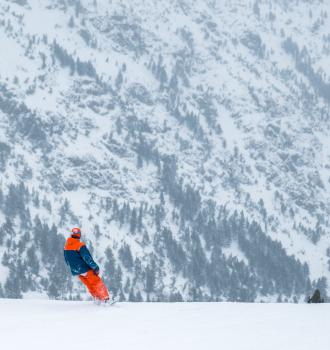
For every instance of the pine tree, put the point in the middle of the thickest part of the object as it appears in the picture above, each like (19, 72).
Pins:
(32, 260)
(140, 218)
(131, 296)
(138, 297)
(119, 80)
(97, 232)
(2, 198)
(133, 222)
(127, 285)
(256, 8)
(125, 255)
(150, 277)
(12, 287)
(2, 235)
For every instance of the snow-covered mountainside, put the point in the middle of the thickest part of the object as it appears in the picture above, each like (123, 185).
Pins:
(188, 139)
(53, 324)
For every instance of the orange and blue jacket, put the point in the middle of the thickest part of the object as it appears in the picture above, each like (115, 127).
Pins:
(78, 257)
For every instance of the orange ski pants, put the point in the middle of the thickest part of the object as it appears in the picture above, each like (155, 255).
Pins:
(95, 285)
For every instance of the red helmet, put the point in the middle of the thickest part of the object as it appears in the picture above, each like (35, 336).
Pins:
(76, 232)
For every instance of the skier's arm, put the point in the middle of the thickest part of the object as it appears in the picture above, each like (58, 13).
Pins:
(65, 258)
(86, 255)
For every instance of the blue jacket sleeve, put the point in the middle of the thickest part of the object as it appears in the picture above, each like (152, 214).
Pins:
(66, 260)
(86, 255)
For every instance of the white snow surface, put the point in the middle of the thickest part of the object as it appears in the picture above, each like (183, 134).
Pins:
(46, 324)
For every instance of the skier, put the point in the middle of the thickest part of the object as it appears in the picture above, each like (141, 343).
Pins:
(81, 263)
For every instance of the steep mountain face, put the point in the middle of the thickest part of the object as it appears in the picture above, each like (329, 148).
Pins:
(188, 139)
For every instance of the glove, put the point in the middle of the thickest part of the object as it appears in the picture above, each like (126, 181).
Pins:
(96, 271)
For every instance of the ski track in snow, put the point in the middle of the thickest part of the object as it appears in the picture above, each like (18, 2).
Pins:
(44, 324)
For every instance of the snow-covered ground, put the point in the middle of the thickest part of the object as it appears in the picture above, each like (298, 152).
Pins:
(44, 324)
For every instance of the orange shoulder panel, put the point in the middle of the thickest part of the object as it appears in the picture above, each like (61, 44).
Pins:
(73, 244)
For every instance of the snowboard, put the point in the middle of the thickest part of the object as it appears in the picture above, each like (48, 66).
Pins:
(110, 302)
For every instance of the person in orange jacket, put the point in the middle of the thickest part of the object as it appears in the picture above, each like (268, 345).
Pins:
(81, 264)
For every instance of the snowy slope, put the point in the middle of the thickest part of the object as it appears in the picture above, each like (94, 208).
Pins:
(148, 124)
(35, 325)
